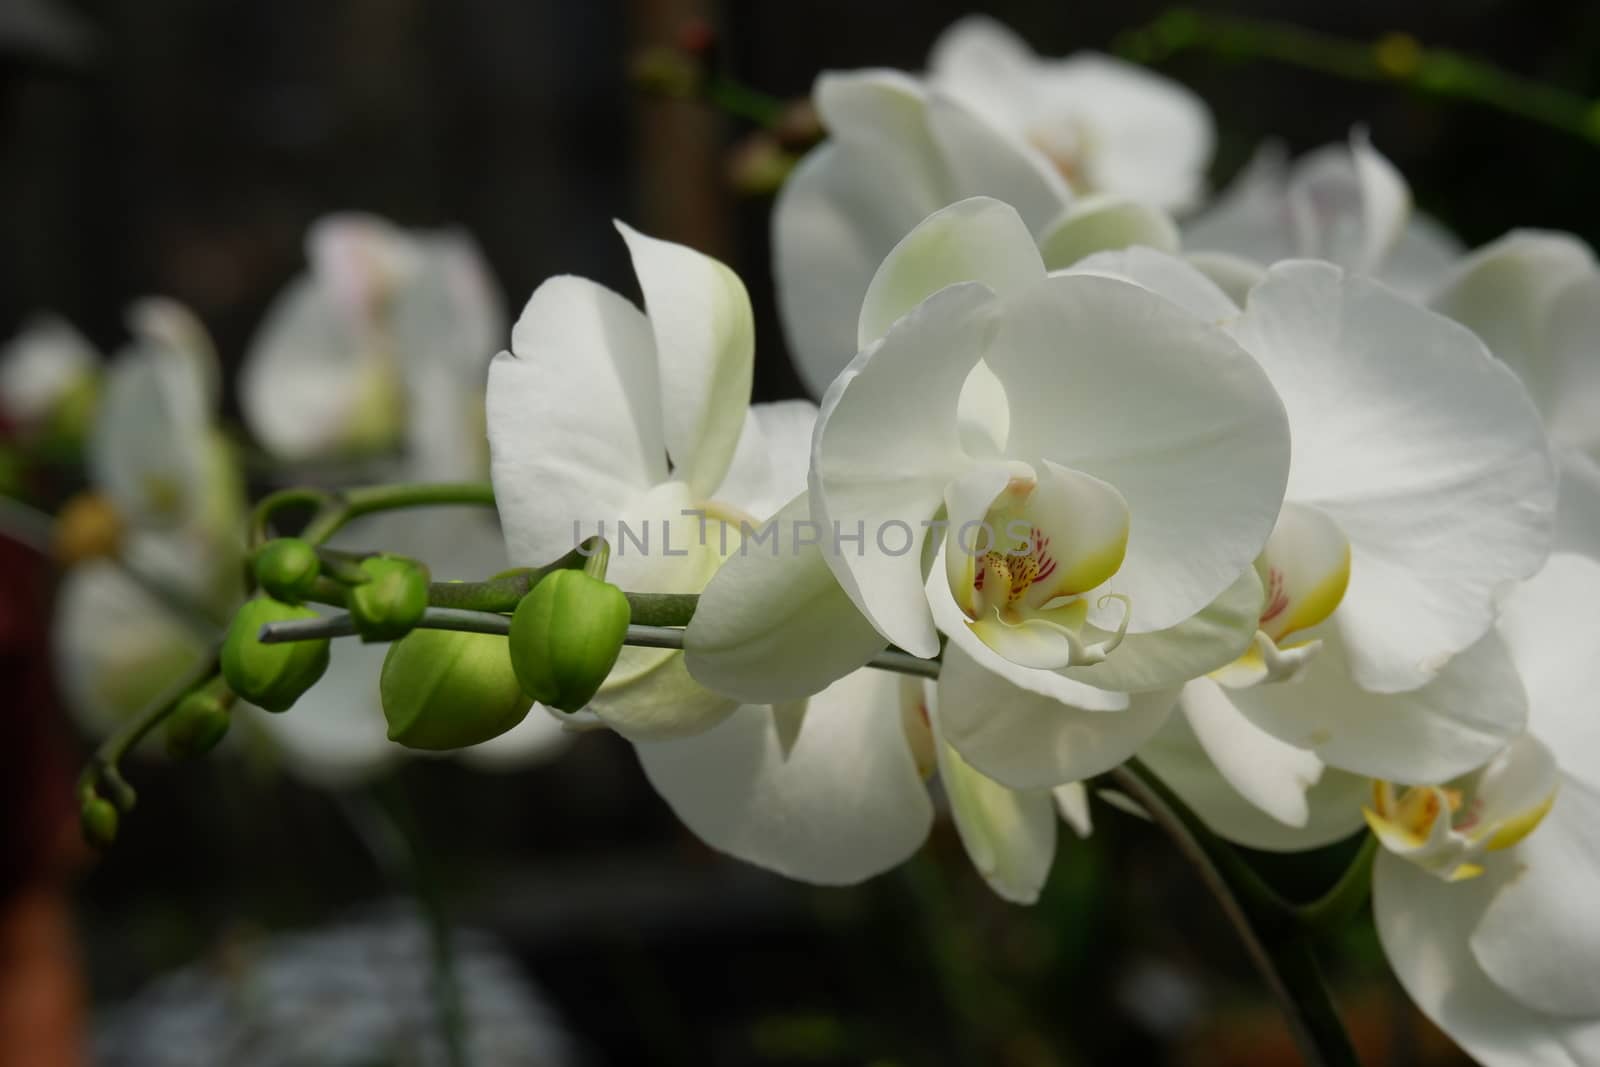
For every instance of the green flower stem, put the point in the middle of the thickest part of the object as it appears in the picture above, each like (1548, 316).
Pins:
(336, 507)
(103, 769)
(1395, 58)
(1270, 929)
(261, 529)
(1334, 909)
(342, 567)
(642, 631)
(741, 101)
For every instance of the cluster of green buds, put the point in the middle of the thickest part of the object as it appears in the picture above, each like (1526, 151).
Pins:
(271, 676)
(440, 689)
(566, 635)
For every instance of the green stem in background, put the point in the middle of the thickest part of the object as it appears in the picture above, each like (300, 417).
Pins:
(346, 505)
(1335, 908)
(104, 766)
(261, 516)
(741, 101)
(1395, 58)
(1270, 928)
(382, 817)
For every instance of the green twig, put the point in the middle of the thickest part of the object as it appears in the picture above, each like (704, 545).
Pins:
(1335, 908)
(346, 505)
(1395, 58)
(1266, 925)
(103, 768)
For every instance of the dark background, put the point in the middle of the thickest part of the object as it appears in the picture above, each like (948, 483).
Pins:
(182, 147)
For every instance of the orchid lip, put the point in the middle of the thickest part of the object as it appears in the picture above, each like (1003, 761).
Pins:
(1449, 829)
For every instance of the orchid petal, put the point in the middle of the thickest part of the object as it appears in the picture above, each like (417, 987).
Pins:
(1434, 466)
(705, 351)
(840, 804)
(885, 447)
(973, 240)
(1448, 726)
(574, 417)
(1030, 741)
(1109, 379)
(773, 624)
(1105, 223)
(1010, 835)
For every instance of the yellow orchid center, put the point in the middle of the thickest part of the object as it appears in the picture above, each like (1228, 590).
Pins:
(1448, 829)
(1020, 572)
(1304, 571)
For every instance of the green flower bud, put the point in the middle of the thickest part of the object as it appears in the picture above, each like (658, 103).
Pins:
(286, 568)
(566, 635)
(392, 599)
(99, 818)
(270, 676)
(445, 689)
(200, 722)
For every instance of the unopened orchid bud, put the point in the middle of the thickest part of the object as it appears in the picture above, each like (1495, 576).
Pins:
(445, 689)
(566, 635)
(286, 568)
(271, 676)
(390, 603)
(99, 818)
(200, 721)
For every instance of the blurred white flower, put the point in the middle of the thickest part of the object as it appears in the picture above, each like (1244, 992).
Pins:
(1534, 298)
(127, 630)
(384, 345)
(1106, 125)
(990, 119)
(1346, 204)
(43, 370)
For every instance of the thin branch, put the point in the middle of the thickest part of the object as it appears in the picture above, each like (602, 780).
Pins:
(486, 622)
(1285, 961)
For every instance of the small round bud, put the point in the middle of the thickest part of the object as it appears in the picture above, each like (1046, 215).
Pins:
(199, 723)
(270, 676)
(444, 689)
(88, 527)
(100, 819)
(286, 568)
(566, 635)
(390, 603)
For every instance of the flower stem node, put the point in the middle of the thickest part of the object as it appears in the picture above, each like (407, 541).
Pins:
(99, 818)
(271, 676)
(200, 722)
(566, 635)
(286, 569)
(390, 603)
(445, 689)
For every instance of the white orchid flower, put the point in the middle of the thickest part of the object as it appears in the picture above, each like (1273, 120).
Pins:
(606, 420)
(1063, 433)
(1483, 892)
(1346, 204)
(1106, 125)
(1534, 298)
(1418, 488)
(125, 631)
(584, 413)
(833, 789)
(989, 120)
(43, 369)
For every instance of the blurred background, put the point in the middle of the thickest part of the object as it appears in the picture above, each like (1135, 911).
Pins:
(560, 914)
